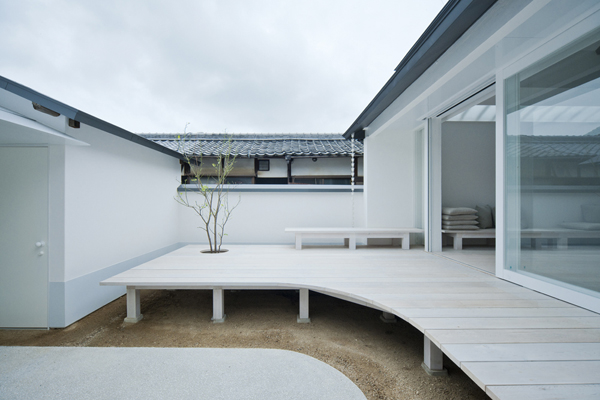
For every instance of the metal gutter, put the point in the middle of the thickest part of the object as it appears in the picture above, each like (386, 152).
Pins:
(449, 25)
(82, 117)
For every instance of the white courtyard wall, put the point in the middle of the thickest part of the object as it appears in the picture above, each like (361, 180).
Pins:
(265, 212)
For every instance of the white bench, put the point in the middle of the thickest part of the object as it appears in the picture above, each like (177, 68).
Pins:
(458, 236)
(351, 234)
(561, 235)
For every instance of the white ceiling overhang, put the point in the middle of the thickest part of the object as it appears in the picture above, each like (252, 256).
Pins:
(18, 130)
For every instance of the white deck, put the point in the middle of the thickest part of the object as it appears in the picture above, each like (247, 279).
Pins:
(513, 342)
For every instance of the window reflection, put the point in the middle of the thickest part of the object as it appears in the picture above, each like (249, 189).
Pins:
(553, 168)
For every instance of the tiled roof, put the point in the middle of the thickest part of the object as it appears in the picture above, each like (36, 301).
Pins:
(255, 145)
(586, 147)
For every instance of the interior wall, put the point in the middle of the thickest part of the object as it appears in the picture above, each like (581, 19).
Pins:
(468, 164)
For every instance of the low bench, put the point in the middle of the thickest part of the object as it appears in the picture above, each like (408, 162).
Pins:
(458, 236)
(561, 236)
(351, 234)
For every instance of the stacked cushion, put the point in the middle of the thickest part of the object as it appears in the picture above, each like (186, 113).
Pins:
(486, 219)
(459, 218)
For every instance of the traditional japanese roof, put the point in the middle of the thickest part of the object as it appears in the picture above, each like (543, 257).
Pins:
(581, 147)
(259, 145)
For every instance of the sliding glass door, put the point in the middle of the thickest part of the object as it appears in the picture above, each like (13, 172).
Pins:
(552, 168)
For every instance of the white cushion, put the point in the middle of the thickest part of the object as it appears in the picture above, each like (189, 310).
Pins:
(463, 217)
(458, 210)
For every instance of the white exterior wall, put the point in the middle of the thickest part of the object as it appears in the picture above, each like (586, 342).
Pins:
(111, 208)
(262, 216)
(390, 180)
(277, 169)
(511, 35)
(105, 221)
(334, 166)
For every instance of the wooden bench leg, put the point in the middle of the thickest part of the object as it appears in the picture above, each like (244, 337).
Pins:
(352, 243)
(458, 242)
(303, 316)
(218, 306)
(405, 242)
(434, 359)
(133, 305)
(298, 241)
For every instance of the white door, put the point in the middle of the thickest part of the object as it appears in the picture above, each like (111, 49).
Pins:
(23, 237)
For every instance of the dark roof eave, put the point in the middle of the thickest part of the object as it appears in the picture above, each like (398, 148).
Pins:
(449, 25)
(73, 113)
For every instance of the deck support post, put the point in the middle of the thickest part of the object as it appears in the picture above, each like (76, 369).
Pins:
(303, 316)
(218, 306)
(133, 305)
(387, 317)
(434, 359)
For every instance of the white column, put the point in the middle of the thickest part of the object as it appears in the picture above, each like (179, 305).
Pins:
(133, 305)
(298, 241)
(218, 306)
(303, 316)
(434, 359)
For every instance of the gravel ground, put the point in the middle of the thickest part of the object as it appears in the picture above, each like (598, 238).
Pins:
(384, 360)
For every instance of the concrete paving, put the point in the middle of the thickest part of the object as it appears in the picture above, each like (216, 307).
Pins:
(168, 373)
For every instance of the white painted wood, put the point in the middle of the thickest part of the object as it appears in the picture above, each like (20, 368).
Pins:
(499, 312)
(445, 336)
(508, 323)
(544, 392)
(350, 235)
(425, 290)
(352, 243)
(218, 305)
(533, 372)
(435, 183)
(524, 351)
(24, 222)
(134, 312)
(303, 316)
(433, 358)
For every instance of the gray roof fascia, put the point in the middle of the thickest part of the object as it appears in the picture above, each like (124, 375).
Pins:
(449, 25)
(74, 114)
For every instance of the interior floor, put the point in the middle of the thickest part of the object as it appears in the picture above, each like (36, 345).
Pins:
(480, 257)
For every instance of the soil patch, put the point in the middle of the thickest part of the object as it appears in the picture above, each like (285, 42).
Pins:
(383, 360)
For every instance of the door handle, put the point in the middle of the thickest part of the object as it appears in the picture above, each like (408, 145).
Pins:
(40, 244)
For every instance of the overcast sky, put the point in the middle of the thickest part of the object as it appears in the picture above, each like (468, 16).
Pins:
(244, 66)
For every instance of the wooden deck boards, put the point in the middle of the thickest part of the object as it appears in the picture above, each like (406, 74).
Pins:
(513, 342)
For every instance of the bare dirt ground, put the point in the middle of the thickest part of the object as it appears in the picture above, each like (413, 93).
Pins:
(383, 360)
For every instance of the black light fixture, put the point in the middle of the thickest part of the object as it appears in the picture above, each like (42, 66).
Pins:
(44, 110)
(314, 159)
